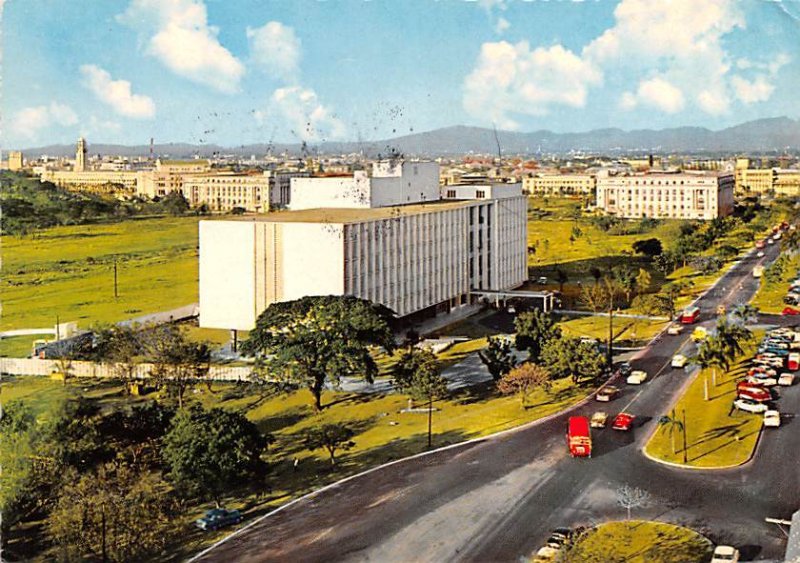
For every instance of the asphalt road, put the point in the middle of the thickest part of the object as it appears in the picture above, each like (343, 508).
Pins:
(497, 499)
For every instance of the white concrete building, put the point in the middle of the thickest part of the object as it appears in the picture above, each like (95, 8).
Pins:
(686, 195)
(419, 259)
(224, 191)
(560, 184)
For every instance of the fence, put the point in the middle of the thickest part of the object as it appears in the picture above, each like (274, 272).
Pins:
(79, 368)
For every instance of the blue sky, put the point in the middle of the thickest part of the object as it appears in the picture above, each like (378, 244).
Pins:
(241, 71)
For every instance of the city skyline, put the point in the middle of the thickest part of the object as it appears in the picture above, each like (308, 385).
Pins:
(211, 73)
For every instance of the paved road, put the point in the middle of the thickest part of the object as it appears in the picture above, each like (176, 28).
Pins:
(496, 499)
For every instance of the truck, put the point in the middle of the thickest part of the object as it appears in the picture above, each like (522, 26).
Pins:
(758, 271)
(579, 437)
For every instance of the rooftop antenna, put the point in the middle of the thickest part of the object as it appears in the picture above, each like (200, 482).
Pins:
(499, 152)
(151, 148)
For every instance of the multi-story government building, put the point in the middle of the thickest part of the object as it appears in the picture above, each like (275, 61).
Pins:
(390, 238)
(560, 184)
(674, 195)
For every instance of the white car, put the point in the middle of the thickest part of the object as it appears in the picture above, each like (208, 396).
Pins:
(546, 553)
(758, 379)
(748, 405)
(675, 329)
(770, 241)
(725, 554)
(679, 360)
(637, 377)
(760, 254)
(786, 379)
(772, 418)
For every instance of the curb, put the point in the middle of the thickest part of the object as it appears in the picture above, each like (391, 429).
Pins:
(398, 461)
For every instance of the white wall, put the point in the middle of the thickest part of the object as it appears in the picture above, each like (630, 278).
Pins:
(312, 193)
(313, 260)
(227, 274)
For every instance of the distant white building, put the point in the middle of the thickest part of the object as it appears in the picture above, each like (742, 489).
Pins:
(675, 195)
(419, 259)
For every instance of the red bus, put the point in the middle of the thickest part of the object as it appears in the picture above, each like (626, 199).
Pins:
(690, 315)
(579, 437)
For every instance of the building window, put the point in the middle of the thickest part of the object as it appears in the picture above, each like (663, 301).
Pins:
(480, 194)
(451, 194)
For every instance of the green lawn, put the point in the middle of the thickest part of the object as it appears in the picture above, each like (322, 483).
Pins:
(769, 298)
(637, 541)
(68, 272)
(626, 330)
(717, 435)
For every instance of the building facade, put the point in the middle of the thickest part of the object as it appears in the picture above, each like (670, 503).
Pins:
(560, 184)
(14, 160)
(121, 184)
(226, 191)
(667, 195)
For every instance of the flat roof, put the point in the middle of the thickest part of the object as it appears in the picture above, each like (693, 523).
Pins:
(353, 215)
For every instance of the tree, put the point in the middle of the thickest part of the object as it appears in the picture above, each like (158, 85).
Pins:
(174, 203)
(653, 304)
(666, 262)
(650, 247)
(121, 345)
(419, 374)
(561, 278)
(534, 329)
(710, 355)
(330, 437)
(177, 362)
(315, 340)
(672, 425)
(743, 314)
(643, 281)
(731, 336)
(625, 278)
(115, 514)
(594, 297)
(572, 357)
(209, 452)
(672, 291)
(632, 497)
(727, 252)
(596, 273)
(523, 380)
(497, 357)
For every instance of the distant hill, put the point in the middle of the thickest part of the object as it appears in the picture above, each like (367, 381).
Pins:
(762, 135)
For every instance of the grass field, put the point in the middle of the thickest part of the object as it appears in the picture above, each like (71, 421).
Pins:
(716, 435)
(383, 432)
(769, 298)
(637, 541)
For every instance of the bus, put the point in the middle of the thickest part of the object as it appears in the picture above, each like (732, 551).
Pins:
(690, 315)
(579, 437)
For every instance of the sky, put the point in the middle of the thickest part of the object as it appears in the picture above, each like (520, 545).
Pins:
(235, 72)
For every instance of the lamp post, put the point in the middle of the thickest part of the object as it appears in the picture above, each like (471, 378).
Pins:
(684, 437)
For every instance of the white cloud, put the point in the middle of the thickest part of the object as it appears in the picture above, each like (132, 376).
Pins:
(751, 91)
(275, 48)
(28, 122)
(491, 7)
(510, 79)
(502, 25)
(657, 93)
(300, 109)
(117, 93)
(179, 36)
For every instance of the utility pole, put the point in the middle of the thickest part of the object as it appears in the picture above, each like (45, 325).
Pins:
(58, 329)
(609, 349)
(116, 293)
(430, 416)
(685, 458)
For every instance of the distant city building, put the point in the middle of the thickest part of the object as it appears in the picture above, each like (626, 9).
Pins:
(667, 195)
(420, 258)
(169, 175)
(80, 156)
(120, 184)
(560, 184)
(14, 161)
(227, 190)
(755, 180)
(787, 182)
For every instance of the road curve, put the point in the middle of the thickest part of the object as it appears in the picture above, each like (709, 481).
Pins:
(496, 499)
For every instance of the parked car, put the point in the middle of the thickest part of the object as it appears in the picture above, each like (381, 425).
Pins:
(637, 377)
(787, 311)
(598, 419)
(753, 393)
(625, 369)
(623, 421)
(679, 360)
(218, 518)
(762, 370)
(760, 254)
(725, 554)
(750, 406)
(542, 280)
(772, 418)
(675, 329)
(786, 379)
(768, 360)
(766, 380)
(607, 393)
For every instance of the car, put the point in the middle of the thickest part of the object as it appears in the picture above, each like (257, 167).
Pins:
(772, 418)
(546, 553)
(725, 554)
(679, 360)
(218, 518)
(637, 377)
(511, 309)
(786, 379)
(623, 421)
(598, 419)
(753, 392)
(770, 241)
(542, 280)
(625, 369)
(762, 370)
(607, 393)
(764, 360)
(760, 254)
(787, 311)
(675, 329)
(764, 380)
(750, 406)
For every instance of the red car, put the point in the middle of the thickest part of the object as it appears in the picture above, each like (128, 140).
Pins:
(758, 394)
(623, 421)
(790, 311)
(762, 370)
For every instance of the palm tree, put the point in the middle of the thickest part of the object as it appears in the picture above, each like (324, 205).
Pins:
(712, 355)
(671, 424)
(744, 314)
(731, 337)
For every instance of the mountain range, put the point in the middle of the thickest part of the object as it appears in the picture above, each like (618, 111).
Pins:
(768, 135)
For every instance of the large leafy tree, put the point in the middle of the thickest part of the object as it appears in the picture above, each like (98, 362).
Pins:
(178, 363)
(534, 329)
(523, 380)
(122, 346)
(209, 452)
(574, 358)
(330, 437)
(321, 339)
(419, 374)
(497, 357)
(649, 247)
